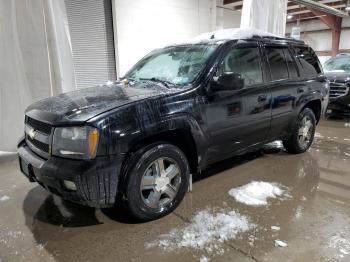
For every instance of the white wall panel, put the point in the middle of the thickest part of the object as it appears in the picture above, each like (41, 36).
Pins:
(143, 25)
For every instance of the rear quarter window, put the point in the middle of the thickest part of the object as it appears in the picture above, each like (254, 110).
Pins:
(308, 60)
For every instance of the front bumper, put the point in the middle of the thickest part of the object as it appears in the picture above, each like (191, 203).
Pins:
(96, 180)
(340, 107)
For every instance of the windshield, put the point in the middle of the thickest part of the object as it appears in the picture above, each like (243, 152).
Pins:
(338, 64)
(175, 65)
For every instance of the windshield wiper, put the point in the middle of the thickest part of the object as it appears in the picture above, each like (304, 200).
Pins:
(164, 82)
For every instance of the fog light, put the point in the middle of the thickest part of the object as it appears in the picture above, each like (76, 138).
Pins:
(70, 185)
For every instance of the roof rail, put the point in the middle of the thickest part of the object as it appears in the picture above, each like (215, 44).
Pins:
(280, 38)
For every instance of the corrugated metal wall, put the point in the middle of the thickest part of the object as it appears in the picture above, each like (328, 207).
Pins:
(91, 29)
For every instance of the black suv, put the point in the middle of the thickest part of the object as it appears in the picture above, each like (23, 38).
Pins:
(337, 70)
(176, 111)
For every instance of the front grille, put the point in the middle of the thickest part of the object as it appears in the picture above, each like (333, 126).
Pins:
(338, 90)
(40, 145)
(39, 126)
(38, 136)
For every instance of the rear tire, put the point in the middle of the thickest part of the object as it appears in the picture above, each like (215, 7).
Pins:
(157, 181)
(303, 133)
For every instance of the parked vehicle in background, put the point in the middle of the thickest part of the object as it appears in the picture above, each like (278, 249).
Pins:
(176, 111)
(337, 70)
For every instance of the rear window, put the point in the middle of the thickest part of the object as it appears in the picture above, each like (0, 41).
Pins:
(308, 60)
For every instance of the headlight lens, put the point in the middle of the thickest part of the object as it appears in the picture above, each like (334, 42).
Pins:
(75, 142)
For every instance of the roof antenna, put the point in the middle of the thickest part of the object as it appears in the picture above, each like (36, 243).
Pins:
(212, 36)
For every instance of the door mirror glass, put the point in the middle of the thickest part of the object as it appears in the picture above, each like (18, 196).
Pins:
(228, 81)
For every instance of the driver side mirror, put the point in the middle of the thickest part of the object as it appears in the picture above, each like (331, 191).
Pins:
(227, 81)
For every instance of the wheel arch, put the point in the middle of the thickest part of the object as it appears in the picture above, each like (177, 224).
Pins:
(186, 144)
(316, 107)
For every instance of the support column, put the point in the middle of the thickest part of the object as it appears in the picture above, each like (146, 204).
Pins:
(334, 23)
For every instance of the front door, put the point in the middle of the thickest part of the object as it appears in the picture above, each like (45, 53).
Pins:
(238, 118)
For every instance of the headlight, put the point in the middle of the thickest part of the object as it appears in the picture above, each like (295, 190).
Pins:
(75, 142)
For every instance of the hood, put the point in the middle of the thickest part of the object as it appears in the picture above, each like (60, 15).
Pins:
(338, 77)
(79, 106)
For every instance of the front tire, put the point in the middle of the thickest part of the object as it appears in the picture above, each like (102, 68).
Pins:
(157, 181)
(303, 133)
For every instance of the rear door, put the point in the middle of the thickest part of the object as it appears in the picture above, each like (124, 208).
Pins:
(285, 87)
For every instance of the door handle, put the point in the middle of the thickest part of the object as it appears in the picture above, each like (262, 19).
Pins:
(262, 98)
(300, 90)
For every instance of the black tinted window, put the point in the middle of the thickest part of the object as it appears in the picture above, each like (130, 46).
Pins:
(292, 68)
(278, 65)
(245, 62)
(308, 60)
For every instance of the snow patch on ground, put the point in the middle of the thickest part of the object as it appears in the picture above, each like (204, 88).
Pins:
(280, 243)
(256, 193)
(341, 244)
(4, 198)
(204, 259)
(8, 237)
(208, 230)
(275, 228)
(278, 144)
(318, 135)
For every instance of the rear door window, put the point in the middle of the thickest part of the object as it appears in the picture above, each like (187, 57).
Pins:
(308, 60)
(292, 67)
(278, 63)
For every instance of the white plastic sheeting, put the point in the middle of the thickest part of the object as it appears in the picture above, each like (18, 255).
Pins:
(266, 15)
(36, 60)
(59, 46)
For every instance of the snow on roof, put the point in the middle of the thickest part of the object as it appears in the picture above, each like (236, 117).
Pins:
(233, 34)
(225, 34)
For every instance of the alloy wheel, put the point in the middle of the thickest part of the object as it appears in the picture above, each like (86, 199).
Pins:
(306, 129)
(160, 182)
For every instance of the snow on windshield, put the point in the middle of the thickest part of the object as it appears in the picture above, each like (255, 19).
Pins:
(177, 65)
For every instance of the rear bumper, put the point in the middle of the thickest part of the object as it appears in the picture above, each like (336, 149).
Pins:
(96, 180)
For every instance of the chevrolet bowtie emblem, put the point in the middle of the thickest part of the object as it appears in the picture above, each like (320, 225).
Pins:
(32, 133)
